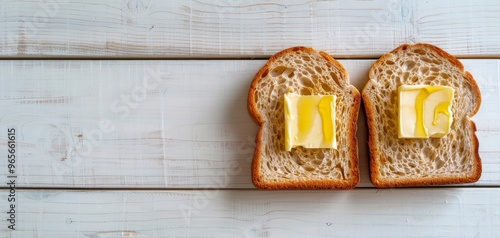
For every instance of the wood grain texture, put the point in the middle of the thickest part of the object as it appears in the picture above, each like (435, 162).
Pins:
(173, 124)
(243, 29)
(163, 124)
(451, 212)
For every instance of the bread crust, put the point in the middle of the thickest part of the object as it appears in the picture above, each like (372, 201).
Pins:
(257, 117)
(374, 152)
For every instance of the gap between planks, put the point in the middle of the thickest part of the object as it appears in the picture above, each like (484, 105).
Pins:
(208, 58)
(456, 186)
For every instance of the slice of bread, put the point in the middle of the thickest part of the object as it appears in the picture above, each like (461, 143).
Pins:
(303, 71)
(395, 162)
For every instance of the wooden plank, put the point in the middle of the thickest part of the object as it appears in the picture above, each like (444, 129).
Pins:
(439, 212)
(237, 28)
(162, 124)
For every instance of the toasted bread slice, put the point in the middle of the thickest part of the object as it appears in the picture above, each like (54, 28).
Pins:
(303, 71)
(396, 162)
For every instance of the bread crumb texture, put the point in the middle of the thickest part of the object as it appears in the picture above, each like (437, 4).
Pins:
(409, 162)
(305, 72)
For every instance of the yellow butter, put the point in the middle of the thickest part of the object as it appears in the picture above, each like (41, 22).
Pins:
(424, 111)
(310, 121)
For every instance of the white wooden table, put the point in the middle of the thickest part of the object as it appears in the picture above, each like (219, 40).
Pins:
(131, 118)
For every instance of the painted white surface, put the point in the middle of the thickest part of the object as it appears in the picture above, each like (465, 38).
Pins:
(163, 124)
(192, 130)
(439, 212)
(237, 28)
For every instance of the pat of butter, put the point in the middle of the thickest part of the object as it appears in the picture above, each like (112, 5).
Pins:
(424, 111)
(310, 121)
